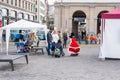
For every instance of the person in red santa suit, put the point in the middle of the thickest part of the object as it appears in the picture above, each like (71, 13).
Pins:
(74, 47)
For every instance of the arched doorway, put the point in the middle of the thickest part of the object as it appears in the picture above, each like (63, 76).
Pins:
(78, 22)
(99, 21)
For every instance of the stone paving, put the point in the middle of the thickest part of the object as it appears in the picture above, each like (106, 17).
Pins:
(86, 66)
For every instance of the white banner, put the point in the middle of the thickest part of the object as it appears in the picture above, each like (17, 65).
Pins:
(111, 39)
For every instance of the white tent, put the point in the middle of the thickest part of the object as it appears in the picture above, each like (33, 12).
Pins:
(110, 47)
(21, 25)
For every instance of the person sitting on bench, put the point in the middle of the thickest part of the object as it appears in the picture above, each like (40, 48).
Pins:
(28, 43)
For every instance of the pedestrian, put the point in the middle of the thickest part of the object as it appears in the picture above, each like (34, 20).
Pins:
(17, 44)
(49, 41)
(29, 42)
(83, 35)
(65, 37)
(74, 47)
(54, 40)
(79, 37)
(59, 34)
(37, 40)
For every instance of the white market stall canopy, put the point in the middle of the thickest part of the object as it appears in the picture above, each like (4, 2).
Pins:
(110, 47)
(25, 25)
(21, 25)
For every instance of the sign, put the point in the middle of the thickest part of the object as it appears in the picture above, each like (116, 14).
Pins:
(79, 19)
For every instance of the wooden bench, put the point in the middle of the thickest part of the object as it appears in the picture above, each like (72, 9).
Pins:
(35, 49)
(11, 58)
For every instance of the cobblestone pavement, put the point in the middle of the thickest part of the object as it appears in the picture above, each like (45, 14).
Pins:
(86, 66)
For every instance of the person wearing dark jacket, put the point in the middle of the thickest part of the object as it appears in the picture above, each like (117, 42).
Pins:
(49, 41)
(65, 37)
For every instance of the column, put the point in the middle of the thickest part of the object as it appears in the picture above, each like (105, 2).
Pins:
(92, 14)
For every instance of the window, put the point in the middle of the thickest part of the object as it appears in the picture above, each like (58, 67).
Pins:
(23, 4)
(12, 2)
(28, 6)
(35, 17)
(19, 3)
(36, 10)
(22, 15)
(42, 4)
(4, 12)
(13, 13)
(31, 17)
(28, 17)
(15, 2)
(35, 2)
(41, 18)
(31, 7)
(42, 11)
(7, 1)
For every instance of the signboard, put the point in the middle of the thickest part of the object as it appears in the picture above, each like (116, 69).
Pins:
(79, 19)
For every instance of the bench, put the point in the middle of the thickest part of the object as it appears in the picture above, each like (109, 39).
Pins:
(35, 49)
(11, 58)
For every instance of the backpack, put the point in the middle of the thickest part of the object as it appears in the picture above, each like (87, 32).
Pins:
(57, 52)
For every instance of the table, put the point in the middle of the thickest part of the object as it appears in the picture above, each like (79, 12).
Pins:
(11, 58)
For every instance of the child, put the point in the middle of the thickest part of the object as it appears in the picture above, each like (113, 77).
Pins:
(74, 48)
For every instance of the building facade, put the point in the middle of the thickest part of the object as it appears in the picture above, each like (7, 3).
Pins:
(82, 15)
(13, 10)
(41, 10)
(51, 16)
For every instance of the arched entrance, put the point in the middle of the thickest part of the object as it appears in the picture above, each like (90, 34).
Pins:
(78, 22)
(99, 21)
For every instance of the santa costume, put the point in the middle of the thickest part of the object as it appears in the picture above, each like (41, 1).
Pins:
(74, 47)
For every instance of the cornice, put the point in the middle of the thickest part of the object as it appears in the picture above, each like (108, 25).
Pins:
(87, 4)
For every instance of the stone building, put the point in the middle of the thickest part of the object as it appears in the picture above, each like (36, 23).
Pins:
(82, 15)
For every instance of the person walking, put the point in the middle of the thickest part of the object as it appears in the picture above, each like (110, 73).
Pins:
(65, 37)
(59, 34)
(49, 41)
(79, 38)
